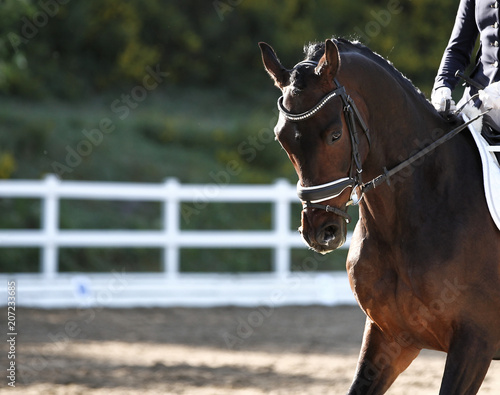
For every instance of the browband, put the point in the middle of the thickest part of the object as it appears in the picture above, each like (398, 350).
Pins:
(308, 114)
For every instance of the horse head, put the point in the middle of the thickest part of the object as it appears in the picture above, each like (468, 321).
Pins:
(315, 128)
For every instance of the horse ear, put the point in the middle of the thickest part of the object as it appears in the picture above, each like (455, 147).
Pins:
(273, 66)
(329, 64)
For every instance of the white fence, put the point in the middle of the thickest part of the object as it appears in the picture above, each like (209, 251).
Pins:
(50, 288)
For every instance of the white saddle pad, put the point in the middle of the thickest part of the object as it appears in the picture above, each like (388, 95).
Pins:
(491, 171)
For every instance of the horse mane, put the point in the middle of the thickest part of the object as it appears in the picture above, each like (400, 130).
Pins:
(314, 51)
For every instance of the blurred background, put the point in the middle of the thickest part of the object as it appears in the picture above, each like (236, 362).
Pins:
(176, 89)
(143, 91)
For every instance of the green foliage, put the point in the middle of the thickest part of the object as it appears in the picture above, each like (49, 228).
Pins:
(64, 68)
(19, 214)
(20, 260)
(13, 64)
(96, 260)
(74, 49)
(225, 260)
(7, 164)
(166, 136)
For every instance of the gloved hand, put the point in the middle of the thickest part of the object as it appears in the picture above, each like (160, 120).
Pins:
(442, 101)
(490, 96)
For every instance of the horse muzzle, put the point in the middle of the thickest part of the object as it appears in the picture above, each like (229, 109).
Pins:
(323, 233)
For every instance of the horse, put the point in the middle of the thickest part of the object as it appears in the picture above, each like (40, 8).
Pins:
(424, 258)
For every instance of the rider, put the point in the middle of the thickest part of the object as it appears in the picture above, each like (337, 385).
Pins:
(474, 18)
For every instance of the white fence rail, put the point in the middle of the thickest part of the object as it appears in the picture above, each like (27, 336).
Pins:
(50, 288)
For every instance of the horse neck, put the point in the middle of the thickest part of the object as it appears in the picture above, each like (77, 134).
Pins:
(401, 126)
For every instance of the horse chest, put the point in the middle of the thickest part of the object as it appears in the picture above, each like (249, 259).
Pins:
(376, 291)
(373, 283)
(388, 300)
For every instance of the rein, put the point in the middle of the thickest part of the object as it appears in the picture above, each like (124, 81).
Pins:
(312, 196)
(431, 147)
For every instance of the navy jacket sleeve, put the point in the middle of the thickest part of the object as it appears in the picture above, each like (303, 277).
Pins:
(457, 55)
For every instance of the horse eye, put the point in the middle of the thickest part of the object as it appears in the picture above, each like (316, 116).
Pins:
(334, 136)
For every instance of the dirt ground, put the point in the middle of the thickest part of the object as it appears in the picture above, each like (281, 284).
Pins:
(287, 350)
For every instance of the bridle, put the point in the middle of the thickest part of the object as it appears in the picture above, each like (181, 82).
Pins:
(312, 196)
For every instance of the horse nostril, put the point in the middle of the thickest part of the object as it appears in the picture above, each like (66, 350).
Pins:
(328, 234)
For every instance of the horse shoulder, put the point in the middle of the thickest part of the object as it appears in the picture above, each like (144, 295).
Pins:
(373, 283)
(391, 299)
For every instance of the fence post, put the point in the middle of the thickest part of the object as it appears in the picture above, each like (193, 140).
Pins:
(50, 226)
(281, 225)
(171, 223)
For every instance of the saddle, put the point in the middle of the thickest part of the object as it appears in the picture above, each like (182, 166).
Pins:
(492, 137)
(490, 159)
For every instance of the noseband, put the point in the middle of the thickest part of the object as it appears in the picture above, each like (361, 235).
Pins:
(311, 197)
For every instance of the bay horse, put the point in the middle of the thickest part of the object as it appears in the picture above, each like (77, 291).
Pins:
(424, 260)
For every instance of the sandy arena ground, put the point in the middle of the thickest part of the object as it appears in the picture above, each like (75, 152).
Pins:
(289, 350)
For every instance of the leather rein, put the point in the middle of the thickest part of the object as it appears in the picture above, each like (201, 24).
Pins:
(312, 196)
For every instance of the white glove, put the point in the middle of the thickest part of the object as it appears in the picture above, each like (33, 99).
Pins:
(440, 97)
(490, 96)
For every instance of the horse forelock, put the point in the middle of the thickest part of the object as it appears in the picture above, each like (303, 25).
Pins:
(300, 73)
